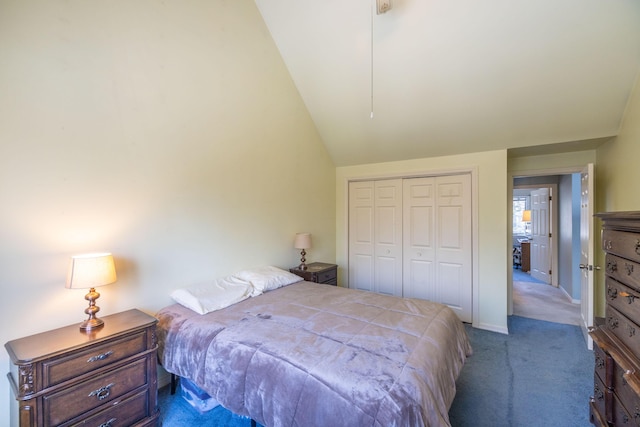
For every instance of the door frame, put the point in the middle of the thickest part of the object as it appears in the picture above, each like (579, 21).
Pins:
(529, 173)
(473, 171)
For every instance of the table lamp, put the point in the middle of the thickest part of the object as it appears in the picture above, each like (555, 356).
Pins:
(302, 241)
(88, 272)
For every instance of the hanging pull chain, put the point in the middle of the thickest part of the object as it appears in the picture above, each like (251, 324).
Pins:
(373, 5)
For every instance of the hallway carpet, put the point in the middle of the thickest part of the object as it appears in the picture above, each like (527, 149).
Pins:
(541, 374)
(537, 300)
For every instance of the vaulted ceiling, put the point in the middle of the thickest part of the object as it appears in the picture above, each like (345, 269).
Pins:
(456, 76)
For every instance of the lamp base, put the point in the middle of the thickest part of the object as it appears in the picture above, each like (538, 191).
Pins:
(302, 265)
(92, 322)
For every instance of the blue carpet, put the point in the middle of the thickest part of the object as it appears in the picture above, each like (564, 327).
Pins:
(541, 374)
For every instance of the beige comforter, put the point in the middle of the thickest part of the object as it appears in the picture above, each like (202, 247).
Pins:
(318, 355)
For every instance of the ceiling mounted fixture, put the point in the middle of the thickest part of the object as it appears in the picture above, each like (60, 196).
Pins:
(383, 6)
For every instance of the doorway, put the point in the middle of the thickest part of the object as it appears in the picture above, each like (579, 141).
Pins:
(561, 301)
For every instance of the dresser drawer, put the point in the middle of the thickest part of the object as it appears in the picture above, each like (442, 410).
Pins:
(625, 394)
(624, 329)
(623, 298)
(601, 397)
(621, 416)
(62, 406)
(120, 414)
(623, 270)
(76, 364)
(603, 364)
(622, 243)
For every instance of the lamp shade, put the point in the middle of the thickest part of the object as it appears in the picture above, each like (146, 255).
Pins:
(91, 271)
(526, 216)
(302, 241)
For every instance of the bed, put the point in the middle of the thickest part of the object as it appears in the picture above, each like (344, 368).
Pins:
(308, 354)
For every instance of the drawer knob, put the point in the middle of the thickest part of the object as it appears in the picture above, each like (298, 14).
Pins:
(100, 356)
(103, 392)
(108, 423)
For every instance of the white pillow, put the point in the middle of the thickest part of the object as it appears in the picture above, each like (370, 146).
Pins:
(213, 296)
(267, 278)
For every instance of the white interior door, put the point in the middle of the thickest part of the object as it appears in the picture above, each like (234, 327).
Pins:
(540, 239)
(586, 251)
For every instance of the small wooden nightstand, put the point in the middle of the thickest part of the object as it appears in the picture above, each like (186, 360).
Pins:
(104, 377)
(318, 272)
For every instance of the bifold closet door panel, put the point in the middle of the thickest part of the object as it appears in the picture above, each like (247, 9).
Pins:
(419, 238)
(453, 244)
(388, 237)
(361, 227)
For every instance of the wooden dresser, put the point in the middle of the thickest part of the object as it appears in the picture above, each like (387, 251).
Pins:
(616, 391)
(105, 378)
(318, 272)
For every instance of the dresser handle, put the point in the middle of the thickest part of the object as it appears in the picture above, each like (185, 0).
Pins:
(612, 267)
(630, 298)
(613, 322)
(108, 423)
(100, 356)
(629, 268)
(638, 247)
(597, 393)
(612, 293)
(599, 362)
(631, 331)
(607, 245)
(102, 393)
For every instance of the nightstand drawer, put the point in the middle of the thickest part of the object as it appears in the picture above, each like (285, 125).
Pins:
(327, 276)
(71, 402)
(62, 369)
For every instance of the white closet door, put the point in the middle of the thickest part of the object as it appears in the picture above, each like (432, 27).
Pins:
(453, 244)
(419, 238)
(388, 237)
(412, 237)
(361, 235)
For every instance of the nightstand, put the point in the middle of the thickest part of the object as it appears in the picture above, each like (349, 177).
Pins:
(104, 377)
(318, 272)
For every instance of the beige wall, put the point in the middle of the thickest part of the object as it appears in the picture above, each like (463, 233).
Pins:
(617, 177)
(169, 133)
(490, 169)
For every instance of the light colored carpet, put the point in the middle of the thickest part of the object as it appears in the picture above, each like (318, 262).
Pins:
(544, 302)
